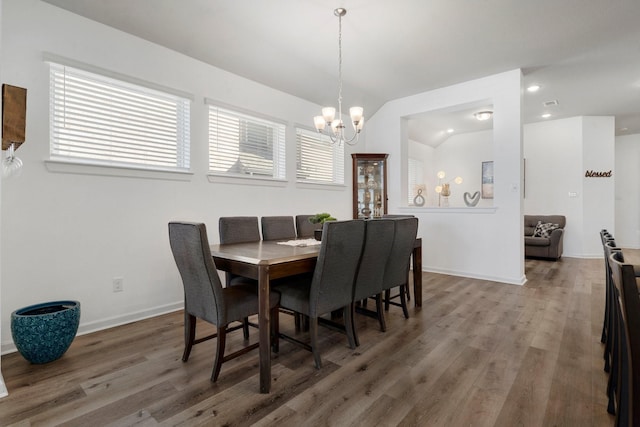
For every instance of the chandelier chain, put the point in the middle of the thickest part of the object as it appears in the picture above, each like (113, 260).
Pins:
(340, 67)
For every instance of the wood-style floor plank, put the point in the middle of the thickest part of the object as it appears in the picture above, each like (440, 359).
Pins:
(478, 353)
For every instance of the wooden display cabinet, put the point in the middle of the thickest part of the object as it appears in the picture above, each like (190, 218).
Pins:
(369, 185)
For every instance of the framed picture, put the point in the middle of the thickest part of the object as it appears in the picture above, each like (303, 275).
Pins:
(487, 180)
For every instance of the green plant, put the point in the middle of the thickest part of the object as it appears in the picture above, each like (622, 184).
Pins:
(321, 218)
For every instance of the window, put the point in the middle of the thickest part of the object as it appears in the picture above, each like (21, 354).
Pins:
(415, 180)
(243, 145)
(317, 159)
(100, 120)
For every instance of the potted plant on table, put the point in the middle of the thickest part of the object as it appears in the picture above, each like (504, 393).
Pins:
(320, 219)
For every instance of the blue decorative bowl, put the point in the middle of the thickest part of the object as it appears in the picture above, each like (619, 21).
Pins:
(43, 332)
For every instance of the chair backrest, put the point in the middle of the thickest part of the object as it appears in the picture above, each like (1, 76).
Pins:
(337, 265)
(624, 280)
(304, 228)
(397, 269)
(203, 295)
(278, 228)
(238, 229)
(378, 241)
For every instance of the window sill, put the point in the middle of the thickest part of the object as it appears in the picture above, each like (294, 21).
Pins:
(61, 166)
(321, 186)
(248, 180)
(461, 210)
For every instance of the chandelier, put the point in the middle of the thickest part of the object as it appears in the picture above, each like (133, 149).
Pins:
(328, 117)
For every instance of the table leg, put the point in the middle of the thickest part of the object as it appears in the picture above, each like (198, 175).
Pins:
(417, 275)
(265, 329)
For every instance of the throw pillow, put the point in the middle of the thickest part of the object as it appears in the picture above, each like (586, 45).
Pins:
(544, 230)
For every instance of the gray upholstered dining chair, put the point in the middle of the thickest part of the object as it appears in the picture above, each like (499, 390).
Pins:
(331, 287)
(206, 299)
(278, 228)
(627, 404)
(396, 273)
(304, 228)
(239, 229)
(378, 243)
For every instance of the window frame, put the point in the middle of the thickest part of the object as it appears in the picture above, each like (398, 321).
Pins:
(278, 154)
(57, 162)
(337, 157)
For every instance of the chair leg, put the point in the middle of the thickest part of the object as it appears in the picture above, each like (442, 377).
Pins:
(313, 334)
(222, 338)
(387, 298)
(275, 329)
(245, 328)
(297, 321)
(380, 311)
(189, 334)
(403, 300)
(349, 326)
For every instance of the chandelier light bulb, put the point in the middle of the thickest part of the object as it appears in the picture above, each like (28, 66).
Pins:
(441, 175)
(458, 180)
(439, 189)
(319, 123)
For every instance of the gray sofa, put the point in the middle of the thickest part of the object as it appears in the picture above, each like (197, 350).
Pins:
(543, 247)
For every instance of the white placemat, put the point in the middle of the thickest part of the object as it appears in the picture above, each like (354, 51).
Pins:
(301, 242)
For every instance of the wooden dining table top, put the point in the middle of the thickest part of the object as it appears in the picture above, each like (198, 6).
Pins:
(264, 252)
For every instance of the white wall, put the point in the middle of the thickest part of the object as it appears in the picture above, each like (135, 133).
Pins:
(598, 208)
(462, 155)
(3, 388)
(65, 236)
(476, 242)
(557, 154)
(627, 191)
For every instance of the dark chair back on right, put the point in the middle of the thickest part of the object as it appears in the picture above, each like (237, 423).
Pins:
(378, 242)
(304, 228)
(628, 305)
(397, 269)
(278, 228)
(337, 266)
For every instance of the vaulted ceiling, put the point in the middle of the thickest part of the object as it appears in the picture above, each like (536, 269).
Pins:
(585, 54)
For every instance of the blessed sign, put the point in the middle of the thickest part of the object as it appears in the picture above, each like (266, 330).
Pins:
(594, 174)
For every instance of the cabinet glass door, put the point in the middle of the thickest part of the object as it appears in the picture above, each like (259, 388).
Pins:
(370, 185)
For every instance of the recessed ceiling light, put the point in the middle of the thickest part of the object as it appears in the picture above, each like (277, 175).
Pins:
(483, 115)
(449, 130)
(623, 129)
(551, 103)
(533, 88)
(546, 115)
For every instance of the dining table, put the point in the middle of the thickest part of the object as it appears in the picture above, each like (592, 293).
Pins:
(268, 260)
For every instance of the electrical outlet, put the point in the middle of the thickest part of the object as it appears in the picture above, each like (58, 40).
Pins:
(118, 284)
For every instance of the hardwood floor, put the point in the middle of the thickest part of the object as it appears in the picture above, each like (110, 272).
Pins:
(478, 353)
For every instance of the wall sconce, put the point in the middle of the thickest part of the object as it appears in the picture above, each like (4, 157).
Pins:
(444, 190)
(14, 113)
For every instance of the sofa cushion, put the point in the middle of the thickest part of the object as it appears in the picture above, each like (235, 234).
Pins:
(544, 229)
(536, 241)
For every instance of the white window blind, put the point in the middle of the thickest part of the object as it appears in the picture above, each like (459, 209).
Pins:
(317, 159)
(240, 144)
(415, 180)
(100, 120)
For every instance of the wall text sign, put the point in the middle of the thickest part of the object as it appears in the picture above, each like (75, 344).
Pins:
(594, 174)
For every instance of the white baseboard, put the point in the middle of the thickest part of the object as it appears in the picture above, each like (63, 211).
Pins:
(511, 281)
(98, 325)
(3, 387)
